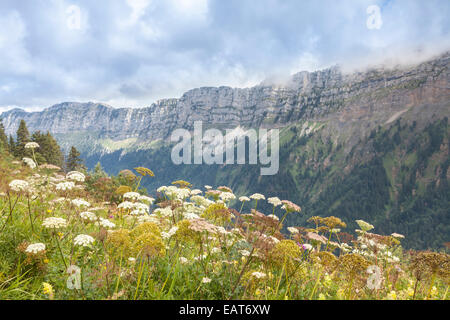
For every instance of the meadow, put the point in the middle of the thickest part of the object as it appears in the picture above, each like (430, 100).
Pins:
(72, 235)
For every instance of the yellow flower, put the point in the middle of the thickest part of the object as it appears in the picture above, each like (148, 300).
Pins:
(60, 235)
(49, 211)
(46, 260)
(410, 291)
(47, 289)
(392, 295)
(258, 292)
(322, 297)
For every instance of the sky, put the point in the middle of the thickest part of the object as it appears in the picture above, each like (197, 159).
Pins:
(130, 53)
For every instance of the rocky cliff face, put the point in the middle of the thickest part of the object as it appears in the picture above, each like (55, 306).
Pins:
(351, 104)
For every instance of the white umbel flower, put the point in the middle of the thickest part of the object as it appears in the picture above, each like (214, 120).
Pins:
(35, 248)
(275, 201)
(126, 205)
(225, 196)
(83, 240)
(206, 280)
(31, 145)
(76, 176)
(146, 199)
(244, 198)
(292, 230)
(81, 203)
(131, 195)
(105, 223)
(29, 162)
(88, 216)
(19, 185)
(69, 185)
(257, 196)
(274, 217)
(54, 223)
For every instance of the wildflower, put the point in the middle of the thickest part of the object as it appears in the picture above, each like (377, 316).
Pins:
(149, 244)
(196, 192)
(183, 260)
(131, 195)
(54, 223)
(275, 201)
(19, 185)
(132, 260)
(89, 216)
(316, 237)
(144, 171)
(48, 290)
(257, 196)
(292, 230)
(163, 212)
(208, 187)
(206, 280)
(392, 295)
(35, 248)
(105, 223)
(83, 240)
(244, 199)
(258, 275)
(225, 196)
(80, 203)
(75, 175)
(274, 217)
(31, 145)
(65, 186)
(365, 226)
(126, 205)
(322, 296)
(29, 162)
(146, 199)
(397, 235)
(245, 253)
(190, 215)
(290, 206)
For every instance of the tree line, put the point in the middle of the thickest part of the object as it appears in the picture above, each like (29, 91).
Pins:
(48, 152)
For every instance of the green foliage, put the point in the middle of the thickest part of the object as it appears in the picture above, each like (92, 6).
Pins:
(74, 162)
(23, 137)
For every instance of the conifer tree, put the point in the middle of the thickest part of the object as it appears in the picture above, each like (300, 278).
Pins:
(23, 137)
(74, 161)
(99, 172)
(12, 145)
(49, 150)
(3, 138)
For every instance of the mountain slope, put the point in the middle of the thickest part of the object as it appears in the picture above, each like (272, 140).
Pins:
(371, 145)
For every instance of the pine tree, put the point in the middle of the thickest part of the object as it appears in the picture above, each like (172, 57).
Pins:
(99, 172)
(23, 137)
(12, 145)
(74, 161)
(3, 138)
(49, 150)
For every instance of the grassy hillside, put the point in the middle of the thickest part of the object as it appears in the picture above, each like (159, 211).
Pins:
(90, 236)
(396, 178)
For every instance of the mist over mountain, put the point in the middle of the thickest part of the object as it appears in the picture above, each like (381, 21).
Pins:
(372, 144)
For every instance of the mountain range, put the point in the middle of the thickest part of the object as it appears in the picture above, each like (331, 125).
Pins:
(371, 145)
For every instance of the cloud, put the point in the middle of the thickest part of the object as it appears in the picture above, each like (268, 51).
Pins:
(133, 52)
